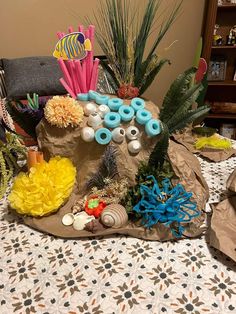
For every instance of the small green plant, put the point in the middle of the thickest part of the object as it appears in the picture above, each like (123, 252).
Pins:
(10, 152)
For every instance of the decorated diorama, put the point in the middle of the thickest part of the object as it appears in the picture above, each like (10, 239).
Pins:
(112, 163)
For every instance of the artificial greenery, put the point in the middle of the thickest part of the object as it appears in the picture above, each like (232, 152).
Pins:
(134, 196)
(10, 151)
(176, 113)
(123, 31)
(27, 116)
(107, 170)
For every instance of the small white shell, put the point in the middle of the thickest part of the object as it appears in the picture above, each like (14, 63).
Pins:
(102, 110)
(94, 120)
(81, 219)
(88, 134)
(132, 133)
(68, 219)
(118, 135)
(134, 147)
(89, 108)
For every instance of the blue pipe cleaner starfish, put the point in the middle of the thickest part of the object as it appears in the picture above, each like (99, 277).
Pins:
(166, 205)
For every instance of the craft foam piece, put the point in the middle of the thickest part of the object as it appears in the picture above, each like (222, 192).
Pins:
(137, 103)
(93, 94)
(126, 113)
(115, 103)
(102, 99)
(103, 136)
(83, 96)
(112, 120)
(153, 127)
(143, 116)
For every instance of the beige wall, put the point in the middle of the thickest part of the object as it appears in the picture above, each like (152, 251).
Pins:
(28, 28)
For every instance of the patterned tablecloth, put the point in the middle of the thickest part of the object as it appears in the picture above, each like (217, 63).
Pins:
(42, 274)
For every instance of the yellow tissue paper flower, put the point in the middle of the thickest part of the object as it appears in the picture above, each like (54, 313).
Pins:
(213, 141)
(63, 111)
(44, 189)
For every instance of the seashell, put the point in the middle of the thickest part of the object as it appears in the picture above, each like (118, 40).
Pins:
(114, 215)
(68, 219)
(94, 120)
(81, 220)
(102, 110)
(118, 135)
(89, 108)
(134, 147)
(132, 133)
(88, 134)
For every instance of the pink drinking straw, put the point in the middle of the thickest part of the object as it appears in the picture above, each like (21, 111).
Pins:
(93, 83)
(81, 28)
(79, 73)
(65, 72)
(59, 35)
(69, 65)
(74, 76)
(70, 29)
(69, 90)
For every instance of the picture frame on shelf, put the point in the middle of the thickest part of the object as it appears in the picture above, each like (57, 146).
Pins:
(217, 69)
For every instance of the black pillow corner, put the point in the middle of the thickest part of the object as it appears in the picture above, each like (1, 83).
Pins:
(32, 75)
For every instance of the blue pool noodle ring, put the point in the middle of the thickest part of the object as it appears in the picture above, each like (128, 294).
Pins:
(153, 127)
(126, 113)
(83, 97)
(143, 116)
(137, 103)
(115, 103)
(93, 94)
(102, 99)
(112, 120)
(103, 136)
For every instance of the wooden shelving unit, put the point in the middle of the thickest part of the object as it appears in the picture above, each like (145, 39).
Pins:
(223, 90)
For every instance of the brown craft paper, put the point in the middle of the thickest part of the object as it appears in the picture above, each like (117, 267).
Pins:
(187, 139)
(223, 227)
(87, 156)
(223, 222)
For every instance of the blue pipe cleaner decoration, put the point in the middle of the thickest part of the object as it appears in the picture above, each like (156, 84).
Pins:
(166, 205)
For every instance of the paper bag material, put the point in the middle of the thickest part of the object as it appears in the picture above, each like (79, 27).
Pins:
(87, 157)
(187, 139)
(223, 227)
(231, 182)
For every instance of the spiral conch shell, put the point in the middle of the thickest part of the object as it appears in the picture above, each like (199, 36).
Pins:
(114, 215)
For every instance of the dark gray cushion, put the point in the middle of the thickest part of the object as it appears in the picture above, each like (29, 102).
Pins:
(32, 75)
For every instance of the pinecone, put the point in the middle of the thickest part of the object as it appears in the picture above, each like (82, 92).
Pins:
(127, 91)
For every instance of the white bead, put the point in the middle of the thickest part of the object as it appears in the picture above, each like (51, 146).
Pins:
(134, 147)
(94, 120)
(87, 134)
(132, 133)
(89, 108)
(102, 110)
(118, 135)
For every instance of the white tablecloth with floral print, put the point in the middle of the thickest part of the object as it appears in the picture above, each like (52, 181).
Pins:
(42, 274)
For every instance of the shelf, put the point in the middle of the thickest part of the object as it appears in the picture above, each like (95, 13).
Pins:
(221, 83)
(227, 6)
(221, 116)
(224, 47)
